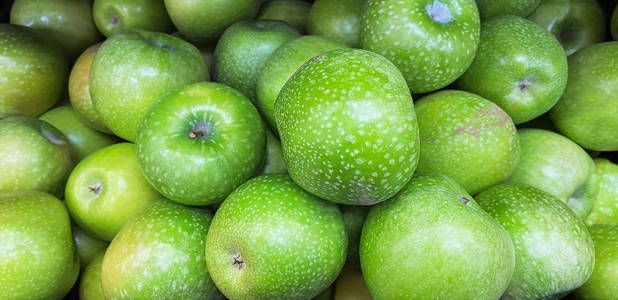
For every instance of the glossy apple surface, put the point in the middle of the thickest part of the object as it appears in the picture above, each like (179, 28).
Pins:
(338, 20)
(113, 16)
(602, 282)
(491, 8)
(605, 209)
(293, 12)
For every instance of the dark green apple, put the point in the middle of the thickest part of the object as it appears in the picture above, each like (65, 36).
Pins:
(34, 155)
(293, 12)
(37, 254)
(33, 71)
(106, 189)
(243, 50)
(586, 113)
(87, 246)
(203, 21)
(282, 64)
(576, 24)
(113, 16)
(432, 42)
(198, 143)
(90, 282)
(433, 241)
(338, 20)
(467, 138)
(273, 162)
(353, 218)
(348, 128)
(132, 69)
(493, 8)
(519, 66)
(602, 282)
(68, 22)
(270, 239)
(553, 249)
(605, 209)
(614, 23)
(159, 255)
(351, 286)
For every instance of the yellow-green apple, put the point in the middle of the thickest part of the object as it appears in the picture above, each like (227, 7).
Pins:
(113, 16)
(90, 281)
(605, 209)
(602, 282)
(338, 20)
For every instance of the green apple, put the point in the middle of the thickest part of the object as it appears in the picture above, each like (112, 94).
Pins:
(243, 50)
(282, 64)
(37, 254)
(586, 113)
(554, 251)
(200, 142)
(293, 12)
(575, 23)
(491, 8)
(273, 163)
(34, 71)
(353, 218)
(106, 189)
(348, 128)
(203, 21)
(113, 16)
(82, 138)
(90, 282)
(34, 155)
(605, 209)
(432, 42)
(614, 23)
(351, 286)
(519, 66)
(556, 165)
(159, 255)
(467, 138)
(602, 282)
(433, 241)
(87, 246)
(132, 69)
(68, 22)
(270, 239)
(338, 20)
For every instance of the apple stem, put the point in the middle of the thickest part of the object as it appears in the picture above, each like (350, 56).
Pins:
(464, 200)
(238, 262)
(201, 130)
(96, 188)
(524, 84)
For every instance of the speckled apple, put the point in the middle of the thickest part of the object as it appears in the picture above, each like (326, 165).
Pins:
(602, 282)
(605, 209)
(293, 12)
(338, 20)
(348, 127)
(87, 246)
(90, 281)
(273, 161)
(113, 16)
(489, 9)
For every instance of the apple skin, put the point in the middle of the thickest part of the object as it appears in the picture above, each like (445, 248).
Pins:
(132, 69)
(34, 155)
(243, 50)
(69, 23)
(491, 8)
(348, 128)
(351, 285)
(605, 209)
(273, 162)
(87, 246)
(90, 281)
(270, 239)
(554, 251)
(575, 23)
(34, 71)
(586, 113)
(113, 16)
(200, 142)
(281, 65)
(338, 20)
(519, 66)
(602, 282)
(203, 21)
(449, 31)
(418, 245)
(159, 254)
(38, 260)
(106, 189)
(467, 138)
(293, 12)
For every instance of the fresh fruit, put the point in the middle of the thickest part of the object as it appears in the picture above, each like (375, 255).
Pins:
(273, 163)
(132, 69)
(293, 12)
(432, 43)
(90, 282)
(601, 285)
(351, 286)
(605, 209)
(353, 218)
(586, 113)
(348, 127)
(553, 249)
(34, 71)
(519, 66)
(422, 242)
(106, 189)
(467, 138)
(270, 239)
(34, 155)
(491, 8)
(198, 143)
(113, 16)
(338, 20)
(87, 246)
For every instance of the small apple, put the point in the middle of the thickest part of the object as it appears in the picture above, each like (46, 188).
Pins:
(34, 155)
(200, 142)
(467, 138)
(270, 239)
(132, 69)
(348, 128)
(87, 246)
(491, 8)
(431, 42)
(273, 163)
(113, 16)
(34, 71)
(602, 282)
(554, 251)
(338, 20)
(605, 209)
(90, 282)
(243, 50)
(351, 285)
(433, 241)
(293, 12)
(353, 218)
(106, 189)
(586, 113)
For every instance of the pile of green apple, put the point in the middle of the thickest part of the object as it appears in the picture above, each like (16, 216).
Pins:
(297, 149)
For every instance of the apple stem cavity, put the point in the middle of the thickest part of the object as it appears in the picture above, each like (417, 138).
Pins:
(201, 130)
(115, 20)
(524, 84)
(238, 262)
(439, 12)
(464, 200)
(96, 188)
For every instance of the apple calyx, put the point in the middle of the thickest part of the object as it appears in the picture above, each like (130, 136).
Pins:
(96, 188)
(463, 200)
(439, 12)
(115, 20)
(201, 130)
(238, 262)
